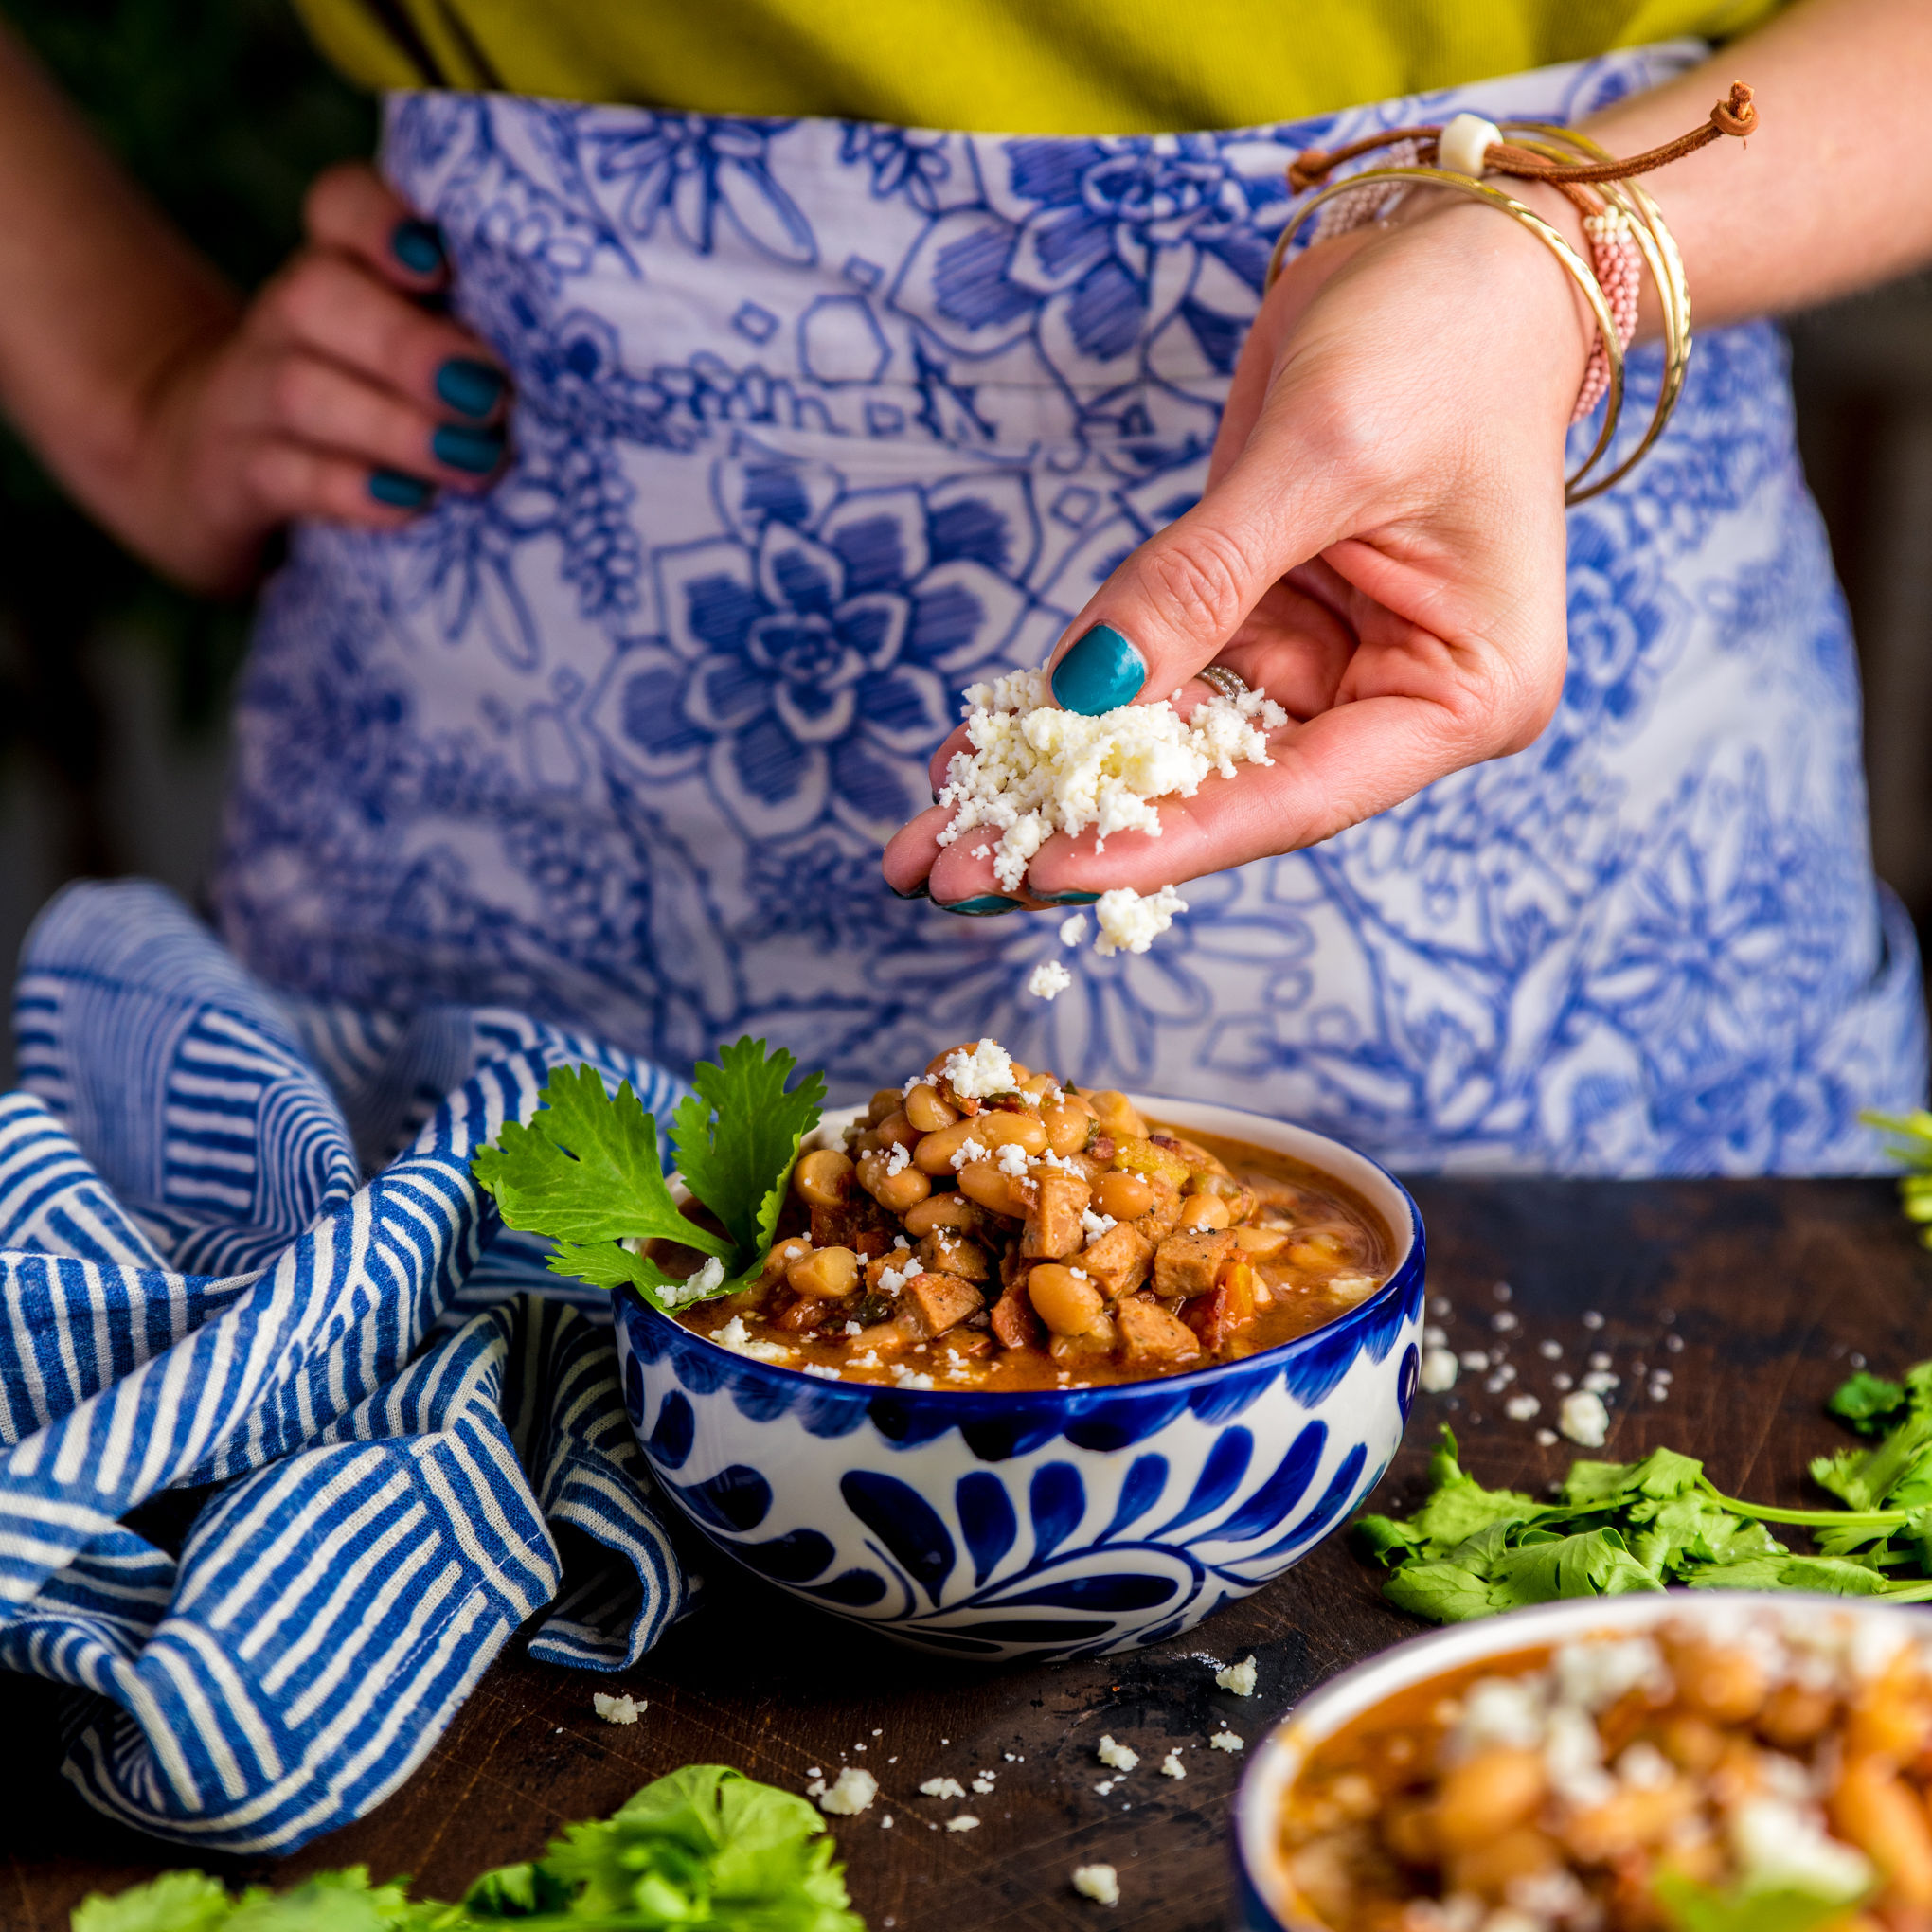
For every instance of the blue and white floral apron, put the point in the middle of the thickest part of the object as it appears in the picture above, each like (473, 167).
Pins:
(818, 422)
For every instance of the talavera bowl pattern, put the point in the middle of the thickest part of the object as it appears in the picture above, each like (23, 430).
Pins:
(1067, 1523)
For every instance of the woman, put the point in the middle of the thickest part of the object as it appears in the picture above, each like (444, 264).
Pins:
(817, 419)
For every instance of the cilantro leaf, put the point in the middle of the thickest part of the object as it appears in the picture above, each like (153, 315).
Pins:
(738, 1162)
(1896, 1474)
(1835, 1575)
(1457, 1507)
(1490, 1572)
(1693, 1908)
(1661, 1476)
(1865, 1402)
(175, 1902)
(192, 1902)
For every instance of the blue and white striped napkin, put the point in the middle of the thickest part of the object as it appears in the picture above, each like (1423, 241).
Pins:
(240, 1254)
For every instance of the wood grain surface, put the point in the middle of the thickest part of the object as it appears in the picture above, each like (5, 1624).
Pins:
(1770, 1287)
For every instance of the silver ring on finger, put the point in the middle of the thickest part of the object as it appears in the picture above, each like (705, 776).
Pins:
(1230, 684)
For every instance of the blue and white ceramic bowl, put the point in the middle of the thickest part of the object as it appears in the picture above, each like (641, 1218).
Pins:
(1056, 1523)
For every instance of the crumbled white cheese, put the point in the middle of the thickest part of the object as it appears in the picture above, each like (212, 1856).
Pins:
(853, 1791)
(1170, 1766)
(1105, 1787)
(1115, 1757)
(820, 1369)
(1224, 1740)
(1092, 1225)
(1073, 929)
(1438, 1370)
(1550, 1352)
(1601, 1382)
(944, 1787)
(623, 1709)
(977, 1072)
(1012, 1161)
(892, 1279)
(1475, 1361)
(705, 1282)
(1592, 1319)
(1522, 1408)
(1503, 1322)
(1100, 1883)
(1049, 980)
(1545, 1439)
(1600, 1360)
(967, 1152)
(965, 1821)
(1240, 1678)
(741, 1341)
(1584, 1419)
(1034, 769)
(868, 1360)
(983, 1784)
(904, 1377)
(1777, 1845)
(899, 1159)
(1434, 1337)
(1131, 922)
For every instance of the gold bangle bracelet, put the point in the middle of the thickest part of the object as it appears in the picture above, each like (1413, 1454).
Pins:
(1577, 269)
(1660, 250)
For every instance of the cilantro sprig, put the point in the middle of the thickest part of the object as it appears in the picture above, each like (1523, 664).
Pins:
(704, 1850)
(586, 1171)
(1911, 1147)
(1617, 1527)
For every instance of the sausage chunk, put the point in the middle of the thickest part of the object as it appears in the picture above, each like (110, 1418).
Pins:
(942, 1300)
(1159, 1220)
(1150, 1335)
(1014, 1319)
(1186, 1262)
(1117, 1264)
(946, 1252)
(1053, 1225)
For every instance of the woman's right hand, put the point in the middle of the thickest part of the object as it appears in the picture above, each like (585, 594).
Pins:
(336, 394)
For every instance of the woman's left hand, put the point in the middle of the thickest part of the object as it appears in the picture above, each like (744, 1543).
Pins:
(1380, 548)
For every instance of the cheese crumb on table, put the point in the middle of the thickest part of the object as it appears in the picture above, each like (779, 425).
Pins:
(983, 1784)
(1439, 1371)
(1240, 1678)
(623, 1709)
(1049, 980)
(944, 1787)
(1584, 1419)
(1522, 1408)
(964, 1822)
(1100, 1883)
(1226, 1740)
(1115, 1757)
(1170, 1766)
(851, 1793)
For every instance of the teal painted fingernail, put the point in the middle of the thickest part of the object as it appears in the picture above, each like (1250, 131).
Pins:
(469, 386)
(417, 246)
(923, 890)
(983, 905)
(479, 450)
(400, 491)
(1067, 898)
(1100, 673)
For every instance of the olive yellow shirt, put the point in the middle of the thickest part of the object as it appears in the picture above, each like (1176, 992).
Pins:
(1019, 66)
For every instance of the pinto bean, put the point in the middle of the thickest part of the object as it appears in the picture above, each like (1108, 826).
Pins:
(927, 1111)
(1117, 1115)
(823, 1177)
(1068, 1304)
(940, 1211)
(894, 1190)
(1486, 1794)
(825, 1273)
(1204, 1210)
(1068, 1125)
(996, 1191)
(1126, 1197)
(993, 1130)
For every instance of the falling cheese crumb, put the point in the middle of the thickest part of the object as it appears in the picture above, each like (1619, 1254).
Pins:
(1034, 770)
(1049, 980)
(623, 1708)
(851, 1793)
(1100, 1883)
(1115, 1757)
(1240, 1678)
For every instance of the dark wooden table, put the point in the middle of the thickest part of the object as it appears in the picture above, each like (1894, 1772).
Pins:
(1769, 1286)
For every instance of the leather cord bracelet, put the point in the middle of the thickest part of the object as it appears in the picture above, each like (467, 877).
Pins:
(1624, 229)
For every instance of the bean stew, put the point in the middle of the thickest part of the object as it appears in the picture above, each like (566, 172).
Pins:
(1753, 1768)
(987, 1227)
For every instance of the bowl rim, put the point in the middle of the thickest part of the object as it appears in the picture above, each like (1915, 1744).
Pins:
(1410, 1260)
(1284, 1746)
